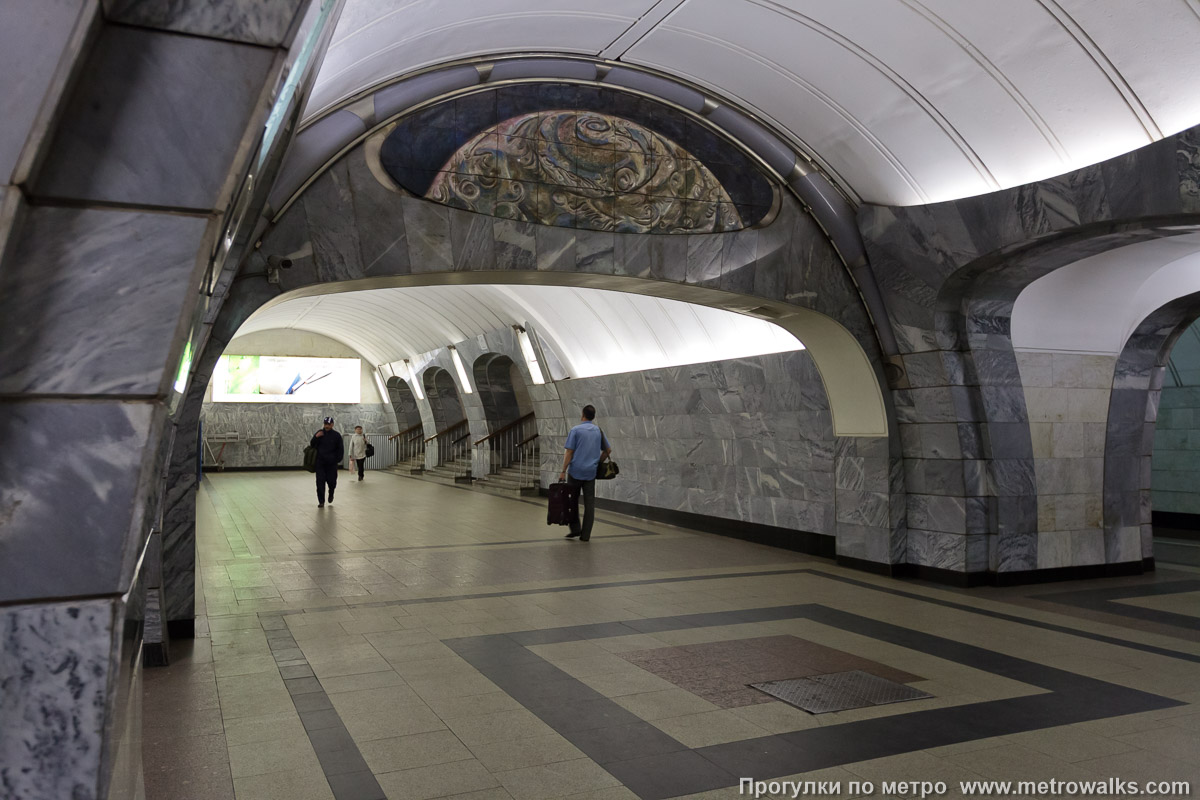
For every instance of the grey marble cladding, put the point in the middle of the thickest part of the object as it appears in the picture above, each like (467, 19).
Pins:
(129, 134)
(680, 451)
(279, 432)
(77, 267)
(39, 40)
(70, 523)
(57, 663)
(264, 22)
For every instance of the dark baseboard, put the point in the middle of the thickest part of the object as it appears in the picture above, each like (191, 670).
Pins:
(1089, 572)
(826, 546)
(946, 577)
(154, 654)
(216, 470)
(1182, 526)
(181, 629)
(814, 544)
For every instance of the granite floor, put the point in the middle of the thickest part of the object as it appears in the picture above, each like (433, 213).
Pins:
(419, 641)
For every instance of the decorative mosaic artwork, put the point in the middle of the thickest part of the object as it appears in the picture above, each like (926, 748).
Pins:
(589, 170)
(577, 157)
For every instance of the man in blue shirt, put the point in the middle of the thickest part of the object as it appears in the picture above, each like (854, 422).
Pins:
(586, 447)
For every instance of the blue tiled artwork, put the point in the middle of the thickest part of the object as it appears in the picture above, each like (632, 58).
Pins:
(577, 156)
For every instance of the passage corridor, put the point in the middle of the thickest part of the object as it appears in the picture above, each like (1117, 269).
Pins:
(415, 640)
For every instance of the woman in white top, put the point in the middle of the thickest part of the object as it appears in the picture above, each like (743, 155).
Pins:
(358, 450)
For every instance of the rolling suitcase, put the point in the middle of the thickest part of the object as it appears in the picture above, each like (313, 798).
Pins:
(564, 504)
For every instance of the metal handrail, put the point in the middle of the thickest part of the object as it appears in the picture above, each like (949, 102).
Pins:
(511, 446)
(420, 426)
(506, 428)
(445, 431)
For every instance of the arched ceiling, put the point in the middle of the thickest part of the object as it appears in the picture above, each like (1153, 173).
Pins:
(592, 331)
(1095, 304)
(904, 101)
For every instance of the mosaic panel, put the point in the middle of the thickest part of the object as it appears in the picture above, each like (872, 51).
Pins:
(580, 157)
(587, 170)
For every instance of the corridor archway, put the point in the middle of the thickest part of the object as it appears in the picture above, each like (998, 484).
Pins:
(409, 443)
(510, 449)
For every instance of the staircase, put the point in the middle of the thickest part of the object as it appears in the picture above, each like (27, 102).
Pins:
(413, 466)
(510, 481)
(458, 471)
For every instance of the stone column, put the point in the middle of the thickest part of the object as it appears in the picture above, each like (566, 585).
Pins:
(124, 140)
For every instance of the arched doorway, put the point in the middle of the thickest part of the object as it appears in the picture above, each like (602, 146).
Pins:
(449, 445)
(508, 455)
(1175, 455)
(409, 443)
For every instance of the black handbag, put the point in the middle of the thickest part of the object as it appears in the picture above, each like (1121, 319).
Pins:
(370, 449)
(606, 470)
(310, 458)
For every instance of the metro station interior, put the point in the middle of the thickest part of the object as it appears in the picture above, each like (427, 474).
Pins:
(889, 310)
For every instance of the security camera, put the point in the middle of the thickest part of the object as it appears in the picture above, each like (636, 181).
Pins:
(274, 264)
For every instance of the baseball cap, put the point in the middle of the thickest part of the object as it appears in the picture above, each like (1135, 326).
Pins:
(328, 420)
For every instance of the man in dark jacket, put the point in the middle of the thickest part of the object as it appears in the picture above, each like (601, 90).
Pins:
(330, 451)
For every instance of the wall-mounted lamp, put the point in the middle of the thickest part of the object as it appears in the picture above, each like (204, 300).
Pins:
(535, 369)
(461, 370)
(412, 379)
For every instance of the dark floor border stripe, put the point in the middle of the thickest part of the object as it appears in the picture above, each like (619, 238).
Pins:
(1049, 626)
(654, 765)
(377, 550)
(341, 761)
(548, 590)
(1107, 601)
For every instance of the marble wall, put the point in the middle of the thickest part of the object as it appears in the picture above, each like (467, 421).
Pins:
(102, 290)
(747, 439)
(275, 434)
(1067, 395)
(949, 274)
(57, 661)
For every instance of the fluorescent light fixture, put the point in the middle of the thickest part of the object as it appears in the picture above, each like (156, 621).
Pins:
(461, 370)
(383, 392)
(412, 379)
(535, 369)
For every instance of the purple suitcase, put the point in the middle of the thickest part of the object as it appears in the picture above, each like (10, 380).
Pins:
(564, 504)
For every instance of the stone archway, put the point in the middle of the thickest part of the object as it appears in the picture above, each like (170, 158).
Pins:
(409, 443)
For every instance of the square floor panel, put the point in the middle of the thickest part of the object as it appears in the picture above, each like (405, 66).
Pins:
(723, 672)
(840, 691)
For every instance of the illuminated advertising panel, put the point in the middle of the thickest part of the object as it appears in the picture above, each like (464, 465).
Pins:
(285, 379)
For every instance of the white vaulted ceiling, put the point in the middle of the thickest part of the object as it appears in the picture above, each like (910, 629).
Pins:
(904, 101)
(592, 331)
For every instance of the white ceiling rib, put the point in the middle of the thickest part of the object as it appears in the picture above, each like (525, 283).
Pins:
(905, 101)
(593, 331)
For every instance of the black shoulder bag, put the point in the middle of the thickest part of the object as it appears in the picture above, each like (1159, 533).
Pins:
(606, 470)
